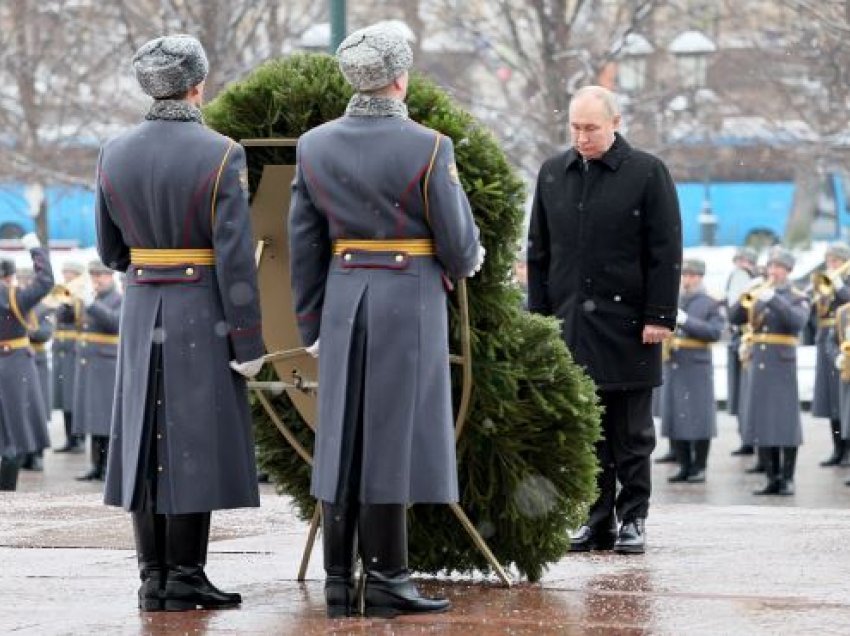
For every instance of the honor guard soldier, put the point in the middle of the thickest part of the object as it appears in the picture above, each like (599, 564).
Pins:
(23, 420)
(96, 356)
(172, 212)
(838, 348)
(43, 322)
(774, 313)
(69, 315)
(829, 291)
(738, 281)
(368, 286)
(688, 416)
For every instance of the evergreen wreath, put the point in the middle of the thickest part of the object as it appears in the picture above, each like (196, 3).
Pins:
(526, 459)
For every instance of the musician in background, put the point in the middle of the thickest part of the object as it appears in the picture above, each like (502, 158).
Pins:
(829, 292)
(774, 313)
(739, 280)
(838, 350)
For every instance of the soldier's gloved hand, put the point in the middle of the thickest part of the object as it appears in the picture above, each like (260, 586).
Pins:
(313, 349)
(837, 280)
(249, 368)
(681, 317)
(30, 241)
(839, 361)
(766, 294)
(479, 261)
(88, 295)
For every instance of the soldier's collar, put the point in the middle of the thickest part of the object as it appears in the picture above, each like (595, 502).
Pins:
(362, 105)
(174, 110)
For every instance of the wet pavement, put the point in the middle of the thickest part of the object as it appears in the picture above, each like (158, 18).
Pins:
(720, 561)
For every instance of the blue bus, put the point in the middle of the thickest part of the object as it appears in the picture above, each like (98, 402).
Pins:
(70, 214)
(749, 211)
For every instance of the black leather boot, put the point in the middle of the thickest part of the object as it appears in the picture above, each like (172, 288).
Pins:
(33, 462)
(770, 459)
(383, 548)
(149, 532)
(789, 464)
(339, 522)
(744, 449)
(186, 585)
(99, 446)
(683, 454)
(600, 537)
(9, 467)
(759, 466)
(837, 445)
(701, 447)
(73, 444)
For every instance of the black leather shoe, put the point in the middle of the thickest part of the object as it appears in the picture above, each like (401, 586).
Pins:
(33, 462)
(668, 458)
(632, 537)
(772, 488)
(95, 473)
(679, 477)
(586, 539)
(744, 450)
(832, 460)
(785, 487)
(150, 591)
(758, 468)
(697, 477)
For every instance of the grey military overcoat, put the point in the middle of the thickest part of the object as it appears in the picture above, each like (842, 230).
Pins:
(94, 380)
(771, 404)
(825, 400)
(23, 419)
(64, 354)
(156, 189)
(687, 395)
(368, 178)
(838, 334)
(39, 337)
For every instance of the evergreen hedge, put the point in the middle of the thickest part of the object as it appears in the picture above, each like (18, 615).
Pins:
(526, 459)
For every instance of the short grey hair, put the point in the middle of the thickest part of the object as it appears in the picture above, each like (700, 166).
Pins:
(608, 99)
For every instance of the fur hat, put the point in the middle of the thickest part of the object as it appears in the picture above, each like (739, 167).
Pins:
(693, 266)
(96, 267)
(747, 254)
(781, 256)
(170, 65)
(374, 56)
(839, 249)
(74, 266)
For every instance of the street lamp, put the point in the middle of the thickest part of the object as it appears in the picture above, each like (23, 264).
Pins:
(693, 50)
(338, 27)
(634, 51)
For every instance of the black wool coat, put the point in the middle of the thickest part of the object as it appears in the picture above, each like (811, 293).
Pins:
(604, 256)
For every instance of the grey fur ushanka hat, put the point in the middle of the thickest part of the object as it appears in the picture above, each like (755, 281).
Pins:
(374, 56)
(170, 65)
(781, 256)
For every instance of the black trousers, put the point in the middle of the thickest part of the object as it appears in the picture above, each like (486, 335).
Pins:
(623, 453)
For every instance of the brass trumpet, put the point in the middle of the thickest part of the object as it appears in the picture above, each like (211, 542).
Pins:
(64, 294)
(821, 282)
(749, 298)
(845, 361)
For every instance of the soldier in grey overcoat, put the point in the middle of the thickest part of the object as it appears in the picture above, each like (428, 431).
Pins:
(41, 331)
(740, 278)
(825, 401)
(96, 357)
(838, 350)
(172, 212)
(23, 422)
(687, 396)
(63, 356)
(777, 312)
(379, 223)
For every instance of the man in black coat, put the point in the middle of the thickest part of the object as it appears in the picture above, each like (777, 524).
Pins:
(604, 256)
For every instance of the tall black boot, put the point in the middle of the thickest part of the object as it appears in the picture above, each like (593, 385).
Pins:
(383, 548)
(73, 443)
(759, 466)
(837, 445)
(770, 458)
(186, 585)
(683, 454)
(9, 467)
(99, 448)
(789, 464)
(149, 532)
(701, 447)
(33, 461)
(339, 523)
